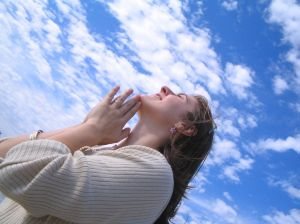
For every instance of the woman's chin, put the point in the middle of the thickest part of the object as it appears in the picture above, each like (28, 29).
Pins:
(149, 105)
(149, 98)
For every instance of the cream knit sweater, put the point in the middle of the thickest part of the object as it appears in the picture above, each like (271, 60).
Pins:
(44, 183)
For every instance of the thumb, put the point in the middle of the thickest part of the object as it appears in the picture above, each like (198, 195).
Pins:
(125, 132)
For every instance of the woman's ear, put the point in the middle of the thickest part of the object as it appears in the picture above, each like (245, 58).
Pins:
(184, 129)
(191, 131)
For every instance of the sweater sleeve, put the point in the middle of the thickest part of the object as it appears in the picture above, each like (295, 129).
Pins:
(131, 185)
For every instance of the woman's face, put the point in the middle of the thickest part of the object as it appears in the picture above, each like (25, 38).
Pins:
(166, 107)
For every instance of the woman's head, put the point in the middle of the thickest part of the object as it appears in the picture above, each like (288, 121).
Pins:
(187, 147)
(167, 109)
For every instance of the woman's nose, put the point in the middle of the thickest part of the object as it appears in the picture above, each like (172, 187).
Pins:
(166, 90)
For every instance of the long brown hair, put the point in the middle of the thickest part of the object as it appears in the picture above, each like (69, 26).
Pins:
(186, 154)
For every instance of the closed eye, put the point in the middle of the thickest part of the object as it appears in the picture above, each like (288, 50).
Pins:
(180, 95)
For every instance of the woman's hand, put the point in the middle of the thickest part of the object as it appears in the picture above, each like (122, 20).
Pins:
(109, 116)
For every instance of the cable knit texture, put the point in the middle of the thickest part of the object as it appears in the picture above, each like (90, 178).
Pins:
(44, 183)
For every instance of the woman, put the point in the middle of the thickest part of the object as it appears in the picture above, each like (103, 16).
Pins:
(70, 176)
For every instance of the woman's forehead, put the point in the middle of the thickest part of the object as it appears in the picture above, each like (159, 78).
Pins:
(191, 100)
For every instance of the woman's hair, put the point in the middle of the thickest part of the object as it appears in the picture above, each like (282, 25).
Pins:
(186, 154)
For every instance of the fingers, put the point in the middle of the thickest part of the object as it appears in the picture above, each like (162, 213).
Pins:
(132, 111)
(118, 103)
(129, 104)
(111, 94)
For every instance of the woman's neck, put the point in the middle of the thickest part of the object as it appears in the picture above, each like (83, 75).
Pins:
(146, 134)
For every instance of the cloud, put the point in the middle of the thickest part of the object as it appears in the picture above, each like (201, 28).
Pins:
(226, 151)
(286, 186)
(227, 196)
(219, 209)
(199, 181)
(279, 85)
(228, 127)
(279, 145)
(166, 46)
(247, 121)
(210, 211)
(278, 217)
(223, 209)
(242, 164)
(233, 121)
(187, 214)
(295, 106)
(230, 5)
(223, 150)
(239, 79)
(285, 13)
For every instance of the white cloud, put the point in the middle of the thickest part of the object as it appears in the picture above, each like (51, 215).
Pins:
(223, 150)
(279, 145)
(226, 151)
(278, 217)
(224, 210)
(199, 181)
(295, 106)
(239, 79)
(247, 121)
(279, 85)
(227, 196)
(286, 186)
(230, 5)
(167, 42)
(227, 127)
(242, 164)
(233, 120)
(210, 211)
(220, 209)
(285, 13)
(186, 214)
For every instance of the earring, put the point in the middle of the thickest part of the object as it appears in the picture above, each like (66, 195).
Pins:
(172, 130)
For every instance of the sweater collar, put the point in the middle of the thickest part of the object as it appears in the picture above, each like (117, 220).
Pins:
(139, 147)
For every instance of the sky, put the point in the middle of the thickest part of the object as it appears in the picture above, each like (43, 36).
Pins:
(59, 58)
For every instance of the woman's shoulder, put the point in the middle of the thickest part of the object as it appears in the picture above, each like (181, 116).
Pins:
(137, 153)
(142, 149)
(133, 150)
(137, 149)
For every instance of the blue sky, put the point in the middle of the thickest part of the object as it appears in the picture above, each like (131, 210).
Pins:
(58, 58)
